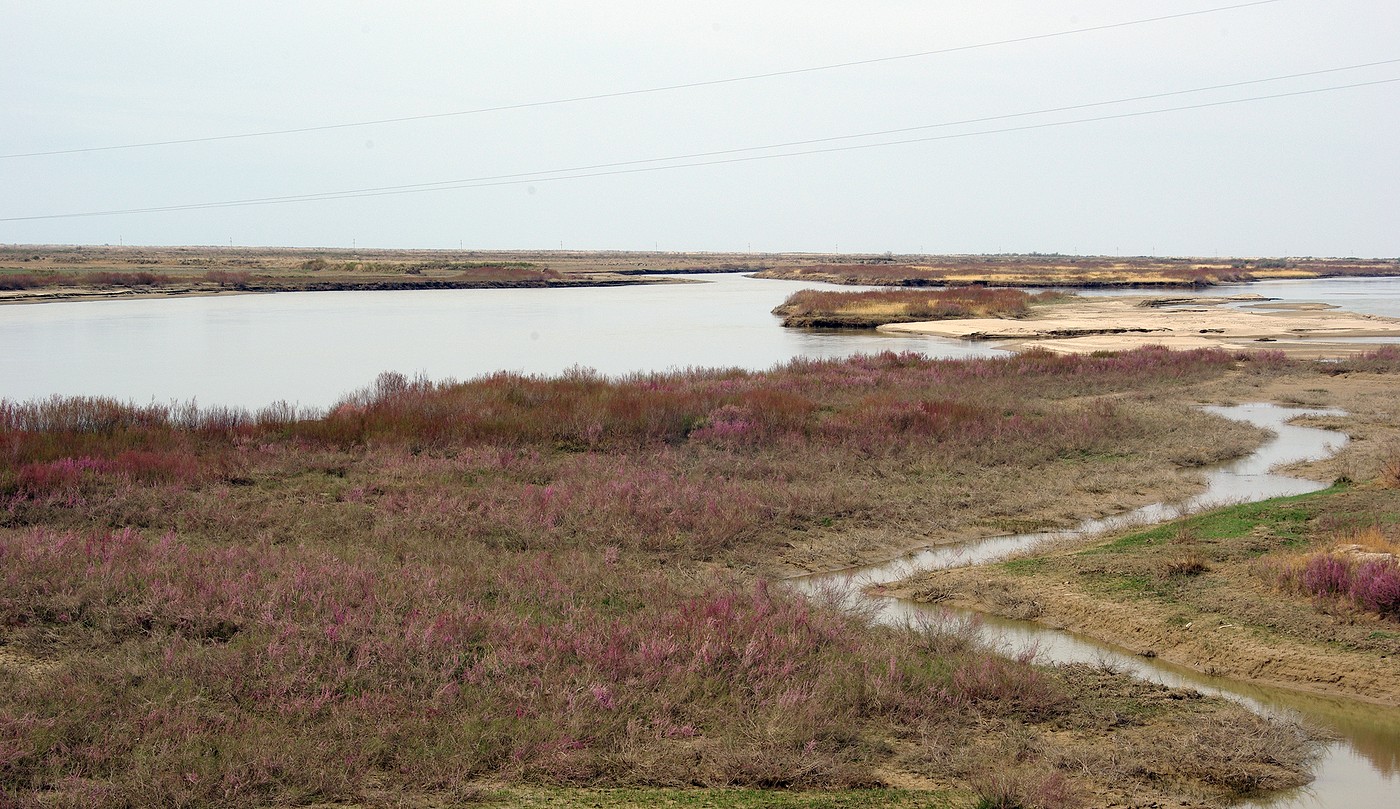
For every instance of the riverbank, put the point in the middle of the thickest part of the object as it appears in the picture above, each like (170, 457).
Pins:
(175, 288)
(811, 308)
(1087, 325)
(1193, 594)
(1204, 591)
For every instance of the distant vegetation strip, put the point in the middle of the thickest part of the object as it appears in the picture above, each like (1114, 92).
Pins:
(313, 275)
(868, 309)
(1080, 271)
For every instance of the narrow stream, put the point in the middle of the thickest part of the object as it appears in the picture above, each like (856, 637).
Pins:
(1360, 769)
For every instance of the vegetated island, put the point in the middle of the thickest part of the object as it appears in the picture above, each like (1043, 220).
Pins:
(521, 588)
(812, 308)
(36, 273)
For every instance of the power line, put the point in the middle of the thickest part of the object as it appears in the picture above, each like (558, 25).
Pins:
(810, 141)
(643, 91)
(573, 174)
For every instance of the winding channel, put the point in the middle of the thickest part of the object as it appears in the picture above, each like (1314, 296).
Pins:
(1361, 768)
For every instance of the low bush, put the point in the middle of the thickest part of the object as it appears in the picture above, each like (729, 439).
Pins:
(229, 278)
(1363, 571)
(126, 279)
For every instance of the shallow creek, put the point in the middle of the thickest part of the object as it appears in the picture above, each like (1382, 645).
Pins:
(1360, 769)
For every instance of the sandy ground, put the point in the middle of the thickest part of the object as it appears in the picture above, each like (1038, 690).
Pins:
(1118, 324)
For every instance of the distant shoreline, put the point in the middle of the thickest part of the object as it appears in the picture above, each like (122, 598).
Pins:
(72, 294)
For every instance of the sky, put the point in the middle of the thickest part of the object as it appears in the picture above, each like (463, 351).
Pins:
(1303, 175)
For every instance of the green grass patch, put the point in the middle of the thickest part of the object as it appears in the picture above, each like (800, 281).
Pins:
(1130, 584)
(1025, 567)
(1285, 517)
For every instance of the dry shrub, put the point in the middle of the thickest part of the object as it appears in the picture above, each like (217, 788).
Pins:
(127, 279)
(1370, 539)
(228, 278)
(1192, 564)
(1390, 469)
(323, 675)
(1003, 786)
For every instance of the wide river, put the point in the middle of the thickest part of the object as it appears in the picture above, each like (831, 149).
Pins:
(312, 348)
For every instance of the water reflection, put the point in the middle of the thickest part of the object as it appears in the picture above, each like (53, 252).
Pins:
(312, 347)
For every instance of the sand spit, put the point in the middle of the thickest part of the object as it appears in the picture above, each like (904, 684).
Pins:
(1118, 324)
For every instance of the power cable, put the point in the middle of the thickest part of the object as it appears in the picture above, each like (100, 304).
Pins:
(808, 142)
(501, 180)
(643, 91)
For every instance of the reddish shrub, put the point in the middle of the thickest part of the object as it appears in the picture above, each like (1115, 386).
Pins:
(1325, 575)
(1376, 587)
(1373, 584)
(228, 278)
(126, 279)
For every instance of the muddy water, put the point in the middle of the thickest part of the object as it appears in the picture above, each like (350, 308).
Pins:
(1360, 769)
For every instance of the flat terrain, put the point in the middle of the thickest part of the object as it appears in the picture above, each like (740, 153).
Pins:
(511, 588)
(1085, 325)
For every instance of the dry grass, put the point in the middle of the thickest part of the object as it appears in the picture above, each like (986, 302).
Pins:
(816, 308)
(524, 579)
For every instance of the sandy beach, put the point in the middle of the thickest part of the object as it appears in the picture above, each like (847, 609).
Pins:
(1117, 324)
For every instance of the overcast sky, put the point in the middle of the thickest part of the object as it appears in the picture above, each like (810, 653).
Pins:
(1304, 175)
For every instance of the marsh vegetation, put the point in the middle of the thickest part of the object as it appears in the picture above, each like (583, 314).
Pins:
(536, 581)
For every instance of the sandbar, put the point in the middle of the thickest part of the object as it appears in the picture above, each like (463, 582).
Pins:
(1117, 324)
